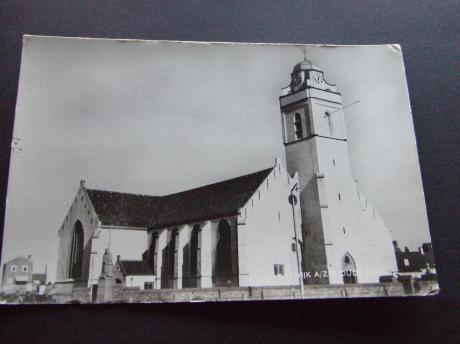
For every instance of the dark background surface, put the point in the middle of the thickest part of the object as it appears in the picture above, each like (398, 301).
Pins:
(428, 32)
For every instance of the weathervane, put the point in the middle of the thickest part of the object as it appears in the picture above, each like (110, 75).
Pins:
(305, 51)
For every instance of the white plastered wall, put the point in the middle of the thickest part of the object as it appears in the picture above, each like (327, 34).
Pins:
(266, 232)
(351, 225)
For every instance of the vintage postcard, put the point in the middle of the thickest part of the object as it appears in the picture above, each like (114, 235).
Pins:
(161, 171)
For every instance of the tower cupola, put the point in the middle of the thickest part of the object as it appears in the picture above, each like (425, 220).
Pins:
(308, 74)
(306, 65)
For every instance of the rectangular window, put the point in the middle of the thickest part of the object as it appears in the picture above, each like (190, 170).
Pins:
(406, 262)
(278, 269)
(148, 285)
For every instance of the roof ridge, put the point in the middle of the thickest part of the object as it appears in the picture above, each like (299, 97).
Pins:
(195, 188)
(122, 193)
(220, 182)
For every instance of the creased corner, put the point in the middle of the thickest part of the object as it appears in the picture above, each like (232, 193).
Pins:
(396, 48)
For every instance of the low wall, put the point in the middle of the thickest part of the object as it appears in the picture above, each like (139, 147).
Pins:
(70, 291)
(66, 292)
(256, 293)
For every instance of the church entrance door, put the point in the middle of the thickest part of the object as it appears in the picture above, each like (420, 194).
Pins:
(349, 270)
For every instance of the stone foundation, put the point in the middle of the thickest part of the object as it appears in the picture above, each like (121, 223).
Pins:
(256, 293)
(72, 292)
(66, 293)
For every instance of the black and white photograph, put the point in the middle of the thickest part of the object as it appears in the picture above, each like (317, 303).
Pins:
(178, 171)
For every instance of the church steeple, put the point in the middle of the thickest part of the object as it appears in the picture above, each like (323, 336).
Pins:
(313, 132)
(339, 230)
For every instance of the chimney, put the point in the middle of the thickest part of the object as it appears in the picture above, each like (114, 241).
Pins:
(82, 183)
(29, 257)
(118, 257)
(406, 249)
(46, 269)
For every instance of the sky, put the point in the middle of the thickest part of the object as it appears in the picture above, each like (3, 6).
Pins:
(157, 117)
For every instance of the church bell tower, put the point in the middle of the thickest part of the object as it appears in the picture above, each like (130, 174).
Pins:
(344, 238)
(316, 147)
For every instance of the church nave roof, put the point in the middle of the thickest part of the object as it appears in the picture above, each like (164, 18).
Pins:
(220, 199)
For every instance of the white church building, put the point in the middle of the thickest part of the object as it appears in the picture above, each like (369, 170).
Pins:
(273, 227)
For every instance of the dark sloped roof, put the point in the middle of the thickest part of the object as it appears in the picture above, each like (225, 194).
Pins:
(135, 267)
(123, 209)
(18, 259)
(417, 261)
(206, 202)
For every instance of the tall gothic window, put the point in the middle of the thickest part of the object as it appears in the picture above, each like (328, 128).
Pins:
(224, 250)
(173, 251)
(76, 251)
(298, 126)
(194, 252)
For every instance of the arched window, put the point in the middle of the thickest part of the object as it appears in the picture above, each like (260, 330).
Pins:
(194, 252)
(172, 256)
(298, 126)
(224, 250)
(153, 251)
(76, 251)
(349, 270)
